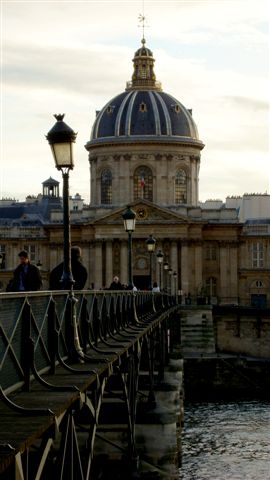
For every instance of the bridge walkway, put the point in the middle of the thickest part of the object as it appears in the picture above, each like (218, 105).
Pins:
(41, 393)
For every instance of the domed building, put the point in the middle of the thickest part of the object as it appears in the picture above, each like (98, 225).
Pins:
(145, 151)
(144, 144)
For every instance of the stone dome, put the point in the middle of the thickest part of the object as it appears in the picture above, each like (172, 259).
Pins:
(143, 112)
(139, 116)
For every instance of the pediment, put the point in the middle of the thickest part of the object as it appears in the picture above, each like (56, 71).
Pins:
(146, 213)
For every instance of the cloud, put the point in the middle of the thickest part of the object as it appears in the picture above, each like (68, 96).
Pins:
(74, 57)
(65, 69)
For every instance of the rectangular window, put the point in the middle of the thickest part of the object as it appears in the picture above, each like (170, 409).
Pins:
(211, 252)
(31, 249)
(211, 287)
(257, 255)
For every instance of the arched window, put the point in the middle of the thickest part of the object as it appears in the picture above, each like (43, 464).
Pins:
(180, 186)
(106, 187)
(143, 183)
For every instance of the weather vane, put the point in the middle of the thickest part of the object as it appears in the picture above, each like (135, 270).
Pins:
(142, 20)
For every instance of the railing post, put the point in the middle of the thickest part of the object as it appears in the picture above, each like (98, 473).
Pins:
(52, 335)
(25, 342)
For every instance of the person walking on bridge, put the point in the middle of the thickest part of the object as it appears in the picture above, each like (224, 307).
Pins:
(26, 277)
(116, 284)
(79, 272)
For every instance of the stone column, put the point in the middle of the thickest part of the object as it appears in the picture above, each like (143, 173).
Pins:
(174, 266)
(109, 264)
(98, 265)
(170, 168)
(174, 256)
(198, 266)
(184, 267)
(117, 167)
(162, 189)
(223, 263)
(126, 190)
(123, 262)
(94, 182)
(233, 273)
(91, 264)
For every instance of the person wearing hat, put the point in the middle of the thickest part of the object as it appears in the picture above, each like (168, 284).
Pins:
(26, 277)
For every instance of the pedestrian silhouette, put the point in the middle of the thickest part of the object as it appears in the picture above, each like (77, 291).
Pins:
(116, 284)
(155, 287)
(79, 272)
(26, 277)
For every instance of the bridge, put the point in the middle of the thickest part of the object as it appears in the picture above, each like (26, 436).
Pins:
(84, 384)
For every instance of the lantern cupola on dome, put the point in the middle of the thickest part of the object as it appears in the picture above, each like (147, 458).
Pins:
(143, 75)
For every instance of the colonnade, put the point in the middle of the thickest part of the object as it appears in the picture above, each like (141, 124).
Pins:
(105, 258)
(103, 263)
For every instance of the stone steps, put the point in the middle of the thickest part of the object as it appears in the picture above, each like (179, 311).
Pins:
(197, 332)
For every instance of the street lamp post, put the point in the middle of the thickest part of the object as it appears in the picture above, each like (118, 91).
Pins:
(166, 268)
(129, 223)
(61, 138)
(160, 261)
(151, 245)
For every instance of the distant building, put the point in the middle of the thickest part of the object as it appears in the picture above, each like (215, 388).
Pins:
(145, 151)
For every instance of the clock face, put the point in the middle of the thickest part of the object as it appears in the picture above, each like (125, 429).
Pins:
(141, 212)
(141, 263)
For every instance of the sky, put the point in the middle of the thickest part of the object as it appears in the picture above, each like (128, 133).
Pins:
(72, 57)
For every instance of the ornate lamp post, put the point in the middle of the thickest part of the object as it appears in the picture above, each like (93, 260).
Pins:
(160, 261)
(129, 223)
(151, 245)
(61, 138)
(166, 268)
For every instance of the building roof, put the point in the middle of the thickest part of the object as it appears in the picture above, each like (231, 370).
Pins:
(24, 213)
(50, 181)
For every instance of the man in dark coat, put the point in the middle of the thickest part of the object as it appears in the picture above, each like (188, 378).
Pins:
(79, 272)
(26, 277)
(116, 284)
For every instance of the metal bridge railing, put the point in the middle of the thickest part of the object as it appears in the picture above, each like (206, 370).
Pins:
(42, 329)
(44, 336)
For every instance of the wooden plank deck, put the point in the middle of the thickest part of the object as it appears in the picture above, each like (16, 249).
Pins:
(20, 430)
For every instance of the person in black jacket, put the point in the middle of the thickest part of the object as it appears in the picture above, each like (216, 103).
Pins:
(79, 272)
(26, 277)
(116, 284)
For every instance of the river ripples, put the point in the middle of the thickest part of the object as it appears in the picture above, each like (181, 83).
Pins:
(226, 441)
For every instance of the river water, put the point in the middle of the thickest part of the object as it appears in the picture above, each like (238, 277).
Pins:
(226, 441)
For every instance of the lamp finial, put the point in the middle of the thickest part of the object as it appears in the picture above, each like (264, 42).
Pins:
(59, 116)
